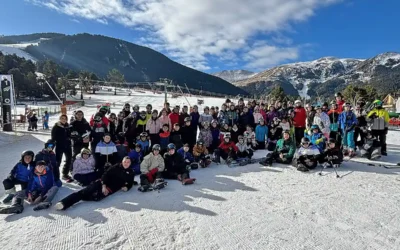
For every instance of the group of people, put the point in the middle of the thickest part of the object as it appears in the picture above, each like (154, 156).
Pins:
(105, 153)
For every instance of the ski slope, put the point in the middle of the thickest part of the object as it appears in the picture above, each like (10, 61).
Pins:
(249, 207)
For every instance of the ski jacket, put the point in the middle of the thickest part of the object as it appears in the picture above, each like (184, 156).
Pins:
(215, 135)
(61, 135)
(310, 118)
(261, 133)
(232, 117)
(165, 120)
(82, 166)
(164, 139)
(286, 147)
(317, 139)
(361, 117)
(117, 177)
(136, 159)
(98, 131)
(206, 136)
(22, 172)
(270, 116)
(174, 117)
(141, 125)
(223, 117)
(145, 145)
(340, 105)
(197, 151)
(122, 150)
(195, 119)
(332, 152)
(285, 126)
(234, 135)
(176, 138)
(186, 155)
(381, 120)
(246, 119)
(322, 120)
(151, 162)
(188, 135)
(41, 182)
(33, 119)
(103, 148)
(257, 117)
(347, 120)
(334, 119)
(226, 147)
(78, 129)
(48, 156)
(275, 133)
(153, 126)
(205, 118)
(182, 117)
(300, 116)
(242, 147)
(312, 150)
(174, 163)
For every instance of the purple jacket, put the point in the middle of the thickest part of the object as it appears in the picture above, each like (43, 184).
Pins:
(82, 166)
(270, 116)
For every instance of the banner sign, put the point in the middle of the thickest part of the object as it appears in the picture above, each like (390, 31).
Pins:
(7, 100)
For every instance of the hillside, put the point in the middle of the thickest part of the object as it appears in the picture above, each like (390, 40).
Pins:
(234, 75)
(100, 54)
(326, 75)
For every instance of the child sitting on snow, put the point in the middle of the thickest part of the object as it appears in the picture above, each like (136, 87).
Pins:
(200, 153)
(371, 147)
(244, 150)
(136, 157)
(332, 155)
(47, 154)
(227, 150)
(234, 133)
(283, 152)
(316, 137)
(84, 168)
(187, 156)
(205, 134)
(307, 156)
(274, 134)
(144, 143)
(19, 175)
(151, 169)
(106, 152)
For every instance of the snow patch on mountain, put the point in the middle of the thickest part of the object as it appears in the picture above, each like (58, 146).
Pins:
(233, 76)
(8, 49)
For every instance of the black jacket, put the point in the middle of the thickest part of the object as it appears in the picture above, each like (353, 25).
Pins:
(117, 177)
(182, 117)
(246, 119)
(61, 134)
(174, 163)
(176, 138)
(275, 133)
(79, 128)
(187, 135)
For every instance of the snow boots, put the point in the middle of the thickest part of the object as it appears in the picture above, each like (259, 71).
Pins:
(16, 207)
(302, 168)
(42, 205)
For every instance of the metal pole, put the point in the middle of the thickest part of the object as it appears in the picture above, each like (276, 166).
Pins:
(53, 91)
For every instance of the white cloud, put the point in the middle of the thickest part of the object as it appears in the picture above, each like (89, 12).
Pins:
(263, 56)
(192, 30)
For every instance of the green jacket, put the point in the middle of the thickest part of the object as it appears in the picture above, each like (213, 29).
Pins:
(287, 147)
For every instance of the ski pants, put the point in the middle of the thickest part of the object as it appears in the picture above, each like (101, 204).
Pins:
(275, 157)
(10, 183)
(336, 135)
(145, 179)
(245, 154)
(311, 164)
(85, 179)
(261, 145)
(298, 134)
(348, 140)
(271, 146)
(175, 176)
(372, 151)
(48, 197)
(381, 135)
(224, 155)
(46, 125)
(358, 132)
(34, 125)
(93, 192)
(60, 151)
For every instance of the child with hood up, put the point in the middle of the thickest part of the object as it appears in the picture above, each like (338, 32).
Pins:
(84, 171)
(136, 157)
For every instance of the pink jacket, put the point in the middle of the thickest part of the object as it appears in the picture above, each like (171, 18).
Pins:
(165, 120)
(82, 166)
(153, 126)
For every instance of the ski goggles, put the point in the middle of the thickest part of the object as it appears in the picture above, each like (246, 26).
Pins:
(50, 145)
(305, 143)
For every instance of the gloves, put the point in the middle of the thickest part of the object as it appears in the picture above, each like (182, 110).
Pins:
(187, 161)
(386, 131)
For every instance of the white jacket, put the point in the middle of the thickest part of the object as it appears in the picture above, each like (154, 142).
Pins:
(323, 121)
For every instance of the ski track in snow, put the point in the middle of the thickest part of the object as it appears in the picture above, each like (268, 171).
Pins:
(249, 207)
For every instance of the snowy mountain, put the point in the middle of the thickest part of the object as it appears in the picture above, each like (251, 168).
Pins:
(100, 54)
(328, 74)
(233, 76)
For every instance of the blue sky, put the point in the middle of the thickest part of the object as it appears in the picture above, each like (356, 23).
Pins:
(213, 35)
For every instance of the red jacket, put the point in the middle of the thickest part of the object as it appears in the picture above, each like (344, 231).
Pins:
(174, 117)
(226, 146)
(340, 105)
(104, 120)
(300, 116)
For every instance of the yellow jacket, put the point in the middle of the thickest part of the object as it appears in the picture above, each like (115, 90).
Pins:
(382, 120)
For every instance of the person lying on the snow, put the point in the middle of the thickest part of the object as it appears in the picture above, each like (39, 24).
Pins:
(371, 147)
(187, 156)
(332, 155)
(106, 153)
(274, 134)
(200, 154)
(307, 156)
(244, 150)
(151, 170)
(227, 150)
(117, 177)
(40, 192)
(84, 171)
(19, 175)
(47, 154)
(136, 158)
(144, 143)
(284, 151)
(316, 137)
(175, 167)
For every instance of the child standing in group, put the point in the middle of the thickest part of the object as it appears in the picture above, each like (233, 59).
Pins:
(144, 143)
(106, 152)
(205, 134)
(261, 133)
(244, 150)
(164, 137)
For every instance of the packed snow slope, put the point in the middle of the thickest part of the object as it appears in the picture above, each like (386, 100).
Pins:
(234, 75)
(249, 207)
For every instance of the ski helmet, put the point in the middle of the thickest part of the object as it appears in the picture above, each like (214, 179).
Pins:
(305, 140)
(143, 134)
(187, 119)
(97, 117)
(227, 135)
(297, 102)
(315, 126)
(171, 146)
(378, 103)
(200, 142)
(49, 144)
(85, 151)
(214, 121)
(27, 152)
(156, 147)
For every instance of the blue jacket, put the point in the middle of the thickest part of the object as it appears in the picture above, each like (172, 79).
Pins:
(317, 139)
(186, 155)
(48, 157)
(215, 136)
(195, 119)
(145, 145)
(41, 183)
(22, 172)
(136, 159)
(347, 120)
(261, 133)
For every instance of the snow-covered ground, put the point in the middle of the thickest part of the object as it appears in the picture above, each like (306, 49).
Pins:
(9, 49)
(249, 207)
